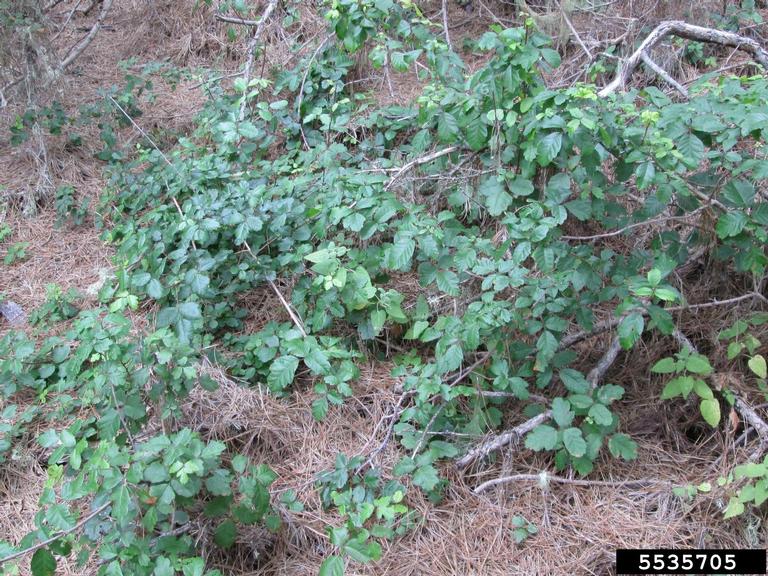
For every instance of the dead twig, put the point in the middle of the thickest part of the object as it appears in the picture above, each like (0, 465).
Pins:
(742, 407)
(56, 536)
(79, 48)
(689, 32)
(251, 49)
(648, 61)
(544, 479)
(418, 162)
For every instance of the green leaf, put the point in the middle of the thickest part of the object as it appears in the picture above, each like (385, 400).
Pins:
(574, 381)
(730, 224)
(43, 563)
(630, 329)
(155, 289)
(362, 551)
(426, 477)
(399, 255)
(496, 198)
(562, 413)
(665, 366)
(225, 534)
(574, 442)
(601, 415)
(698, 364)
(691, 148)
(282, 372)
(332, 566)
(707, 123)
(121, 500)
(680, 386)
(477, 135)
(548, 148)
(645, 173)
(447, 128)
(190, 310)
(735, 508)
(739, 193)
(451, 360)
(758, 366)
(622, 446)
(543, 437)
(710, 410)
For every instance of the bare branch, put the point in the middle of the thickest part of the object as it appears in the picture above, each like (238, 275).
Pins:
(544, 479)
(501, 440)
(79, 48)
(445, 25)
(664, 75)
(252, 50)
(690, 32)
(747, 412)
(237, 20)
(418, 162)
(56, 536)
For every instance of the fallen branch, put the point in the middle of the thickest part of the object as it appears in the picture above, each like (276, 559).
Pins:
(251, 49)
(605, 362)
(689, 32)
(418, 162)
(236, 20)
(648, 61)
(501, 440)
(544, 479)
(742, 407)
(56, 536)
(83, 44)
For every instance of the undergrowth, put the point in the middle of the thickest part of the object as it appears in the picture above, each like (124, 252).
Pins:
(521, 189)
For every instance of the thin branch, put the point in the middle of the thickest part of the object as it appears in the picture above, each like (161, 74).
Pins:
(605, 362)
(75, 52)
(501, 440)
(575, 33)
(251, 49)
(631, 226)
(283, 301)
(513, 435)
(301, 88)
(56, 536)
(664, 75)
(544, 479)
(237, 20)
(393, 419)
(747, 412)
(418, 162)
(689, 32)
(577, 337)
(445, 25)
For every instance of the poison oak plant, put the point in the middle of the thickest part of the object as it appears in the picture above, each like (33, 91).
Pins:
(312, 187)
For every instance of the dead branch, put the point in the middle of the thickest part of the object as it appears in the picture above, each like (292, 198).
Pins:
(575, 338)
(237, 20)
(544, 479)
(648, 61)
(742, 407)
(56, 536)
(689, 32)
(418, 162)
(251, 49)
(445, 25)
(605, 362)
(501, 440)
(79, 48)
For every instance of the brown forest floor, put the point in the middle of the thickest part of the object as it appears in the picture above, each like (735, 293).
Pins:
(579, 527)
